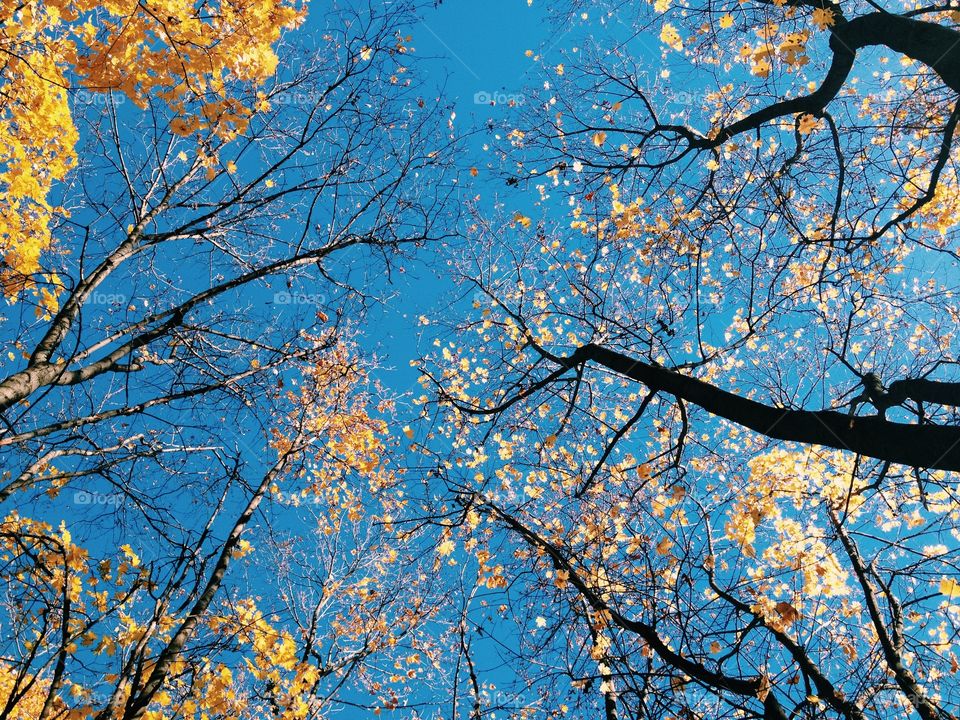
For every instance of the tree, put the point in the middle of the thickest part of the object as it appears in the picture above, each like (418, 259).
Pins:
(705, 444)
(196, 466)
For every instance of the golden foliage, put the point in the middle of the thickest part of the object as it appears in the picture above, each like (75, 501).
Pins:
(187, 56)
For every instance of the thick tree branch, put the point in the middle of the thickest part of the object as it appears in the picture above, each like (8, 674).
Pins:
(925, 446)
(933, 45)
(814, 103)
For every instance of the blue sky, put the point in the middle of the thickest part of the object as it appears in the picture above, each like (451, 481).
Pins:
(471, 52)
(480, 46)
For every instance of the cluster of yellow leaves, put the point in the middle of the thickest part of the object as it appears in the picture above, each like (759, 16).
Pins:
(271, 650)
(48, 557)
(186, 55)
(776, 615)
(45, 568)
(215, 694)
(595, 527)
(37, 138)
(488, 575)
(109, 621)
(942, 213)
(113, 611)
(31, 703)
(634, 220)
(802, 479)
(352, 447)
(787, 47)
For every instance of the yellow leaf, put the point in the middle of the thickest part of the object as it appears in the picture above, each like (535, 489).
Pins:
(950, 587)
(670, 37)
(823, 18)
(787, 612)
(599, 138)
(522, 219)
(808, 123)
(131, 555)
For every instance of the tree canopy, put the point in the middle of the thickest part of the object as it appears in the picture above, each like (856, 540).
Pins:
(684, 442)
